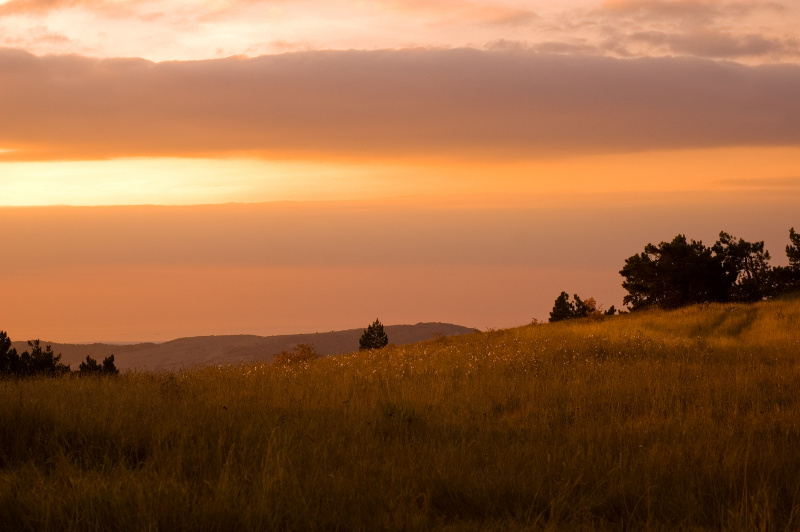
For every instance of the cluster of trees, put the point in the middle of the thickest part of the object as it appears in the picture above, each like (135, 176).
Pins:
(564, 309)
(91, 367)
(685, 272)
(44, 362)
(374, 337)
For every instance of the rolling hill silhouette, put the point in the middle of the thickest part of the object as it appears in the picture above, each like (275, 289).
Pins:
(225, 349)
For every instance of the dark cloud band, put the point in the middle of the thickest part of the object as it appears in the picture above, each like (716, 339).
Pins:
(459, 102)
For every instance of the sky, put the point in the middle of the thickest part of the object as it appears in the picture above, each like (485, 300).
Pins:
(175, 168)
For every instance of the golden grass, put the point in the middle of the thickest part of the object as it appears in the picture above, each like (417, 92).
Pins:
(687, 419)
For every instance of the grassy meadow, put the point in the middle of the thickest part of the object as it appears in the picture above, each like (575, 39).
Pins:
(688, 419)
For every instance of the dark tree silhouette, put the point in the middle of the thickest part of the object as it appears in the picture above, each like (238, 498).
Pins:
(674, 274)
(678, 273)
(9, 359)
(746, 266)
(793, 250)
(563, 309)
(373, 338)
(41, 361)
(787, 278)
(91, 367)
(109, 368)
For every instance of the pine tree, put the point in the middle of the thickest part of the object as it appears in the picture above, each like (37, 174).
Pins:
(793, 250)
(109, 368)
(784, 279)
(746, 264)
(89, 367)
(373, 338)
(562, 308)
(41, 361)
(9, 359)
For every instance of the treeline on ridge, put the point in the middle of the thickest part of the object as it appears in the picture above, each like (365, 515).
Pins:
(685, 272)
(44, 362)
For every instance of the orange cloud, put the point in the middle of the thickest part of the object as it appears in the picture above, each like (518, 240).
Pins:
(474, 12)
(37, 7)
(461, 103)
(695, 10)
(487, 12)
(719, 29)
(710, 43)
(201, 29)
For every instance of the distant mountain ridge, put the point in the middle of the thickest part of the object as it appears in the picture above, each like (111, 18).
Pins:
(208, 350)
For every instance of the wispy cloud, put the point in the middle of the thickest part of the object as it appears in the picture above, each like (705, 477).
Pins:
(786, 183)
(36, 35)
(703, 28)
(200, 29)
(694, 11)
(15, 7)
(717, 44)
(38, 7)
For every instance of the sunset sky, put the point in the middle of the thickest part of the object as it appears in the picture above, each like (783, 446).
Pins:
(178, 168)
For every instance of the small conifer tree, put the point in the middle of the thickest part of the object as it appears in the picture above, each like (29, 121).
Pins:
(9, 359)
(373, 338)
(41, 361)
(109, 368)
(562, 308)
(793, 250)
(89, 367)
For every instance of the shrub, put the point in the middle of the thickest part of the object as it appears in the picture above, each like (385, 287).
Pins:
(300, 353)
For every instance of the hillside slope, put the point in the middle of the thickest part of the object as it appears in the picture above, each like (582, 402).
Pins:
(207, 350)
(680, 420)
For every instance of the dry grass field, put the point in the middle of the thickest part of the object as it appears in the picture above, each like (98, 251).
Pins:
(688, 419)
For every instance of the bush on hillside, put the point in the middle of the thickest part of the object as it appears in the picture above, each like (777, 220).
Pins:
(300, 353)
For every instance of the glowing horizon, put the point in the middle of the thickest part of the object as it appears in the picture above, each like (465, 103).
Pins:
(394, 138)
(178, 181)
